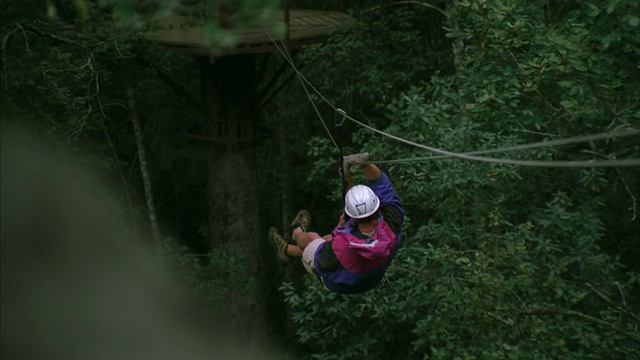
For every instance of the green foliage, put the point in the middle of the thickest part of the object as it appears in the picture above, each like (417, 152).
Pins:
(72, 85)
(501, 261)
(206, 277)
(498, 261)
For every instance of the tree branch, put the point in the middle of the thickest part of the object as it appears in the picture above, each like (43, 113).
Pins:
(63, 39)
(604, 297)
(589, 318)
(634, 200)
(174, 85)
(407, 2)
(146, 179)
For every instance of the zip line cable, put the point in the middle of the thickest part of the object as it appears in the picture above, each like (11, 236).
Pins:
(289, 59)
(541, 144)
(473, 155)
(466, 156)
(318, 113)
(531, 163)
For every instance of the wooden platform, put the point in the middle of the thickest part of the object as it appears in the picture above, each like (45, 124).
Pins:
(305, 27)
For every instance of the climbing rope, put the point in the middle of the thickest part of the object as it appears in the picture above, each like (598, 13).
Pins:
(473, 156)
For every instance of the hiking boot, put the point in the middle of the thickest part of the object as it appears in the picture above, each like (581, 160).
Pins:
(352, 163)
(302, 220)
(280, 244)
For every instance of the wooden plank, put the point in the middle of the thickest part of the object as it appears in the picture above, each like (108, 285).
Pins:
(306, 26)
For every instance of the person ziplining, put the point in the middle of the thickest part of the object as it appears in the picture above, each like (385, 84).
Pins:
(355, 256)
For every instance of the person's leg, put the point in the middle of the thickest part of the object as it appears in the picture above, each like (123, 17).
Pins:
(299, 227)
(284, 251)
(309, 255)
(303, 239)
(294, 251)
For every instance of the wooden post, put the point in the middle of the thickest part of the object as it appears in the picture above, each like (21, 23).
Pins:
(231, 112)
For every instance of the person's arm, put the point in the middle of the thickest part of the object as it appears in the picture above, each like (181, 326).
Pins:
(352, 163)
(390, 205)
(392, 216)
(371, 171)
(378, 180)
(381, 185)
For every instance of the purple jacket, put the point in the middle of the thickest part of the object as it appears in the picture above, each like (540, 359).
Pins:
(359, 255)
(362, 261)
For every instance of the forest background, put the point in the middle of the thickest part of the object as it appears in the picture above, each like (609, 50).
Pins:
(498, 261)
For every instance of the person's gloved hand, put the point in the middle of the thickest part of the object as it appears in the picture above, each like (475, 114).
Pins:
(351, 163)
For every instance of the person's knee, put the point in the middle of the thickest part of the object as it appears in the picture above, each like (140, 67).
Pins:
(306, 238)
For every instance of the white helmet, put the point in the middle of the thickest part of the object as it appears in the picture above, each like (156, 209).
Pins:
(361, 202)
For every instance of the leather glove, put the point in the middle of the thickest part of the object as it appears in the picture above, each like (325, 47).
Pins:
(351, 163)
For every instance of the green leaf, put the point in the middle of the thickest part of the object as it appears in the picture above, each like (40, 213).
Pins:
(592, 10)
(612, 6)
(568, 104)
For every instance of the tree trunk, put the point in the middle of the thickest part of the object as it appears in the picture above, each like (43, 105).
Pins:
(234, 221)
(286, 174)
(144, 170)
(294, 272)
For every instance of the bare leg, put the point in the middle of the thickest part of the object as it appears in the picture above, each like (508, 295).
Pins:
(303, 239)
(294, 251)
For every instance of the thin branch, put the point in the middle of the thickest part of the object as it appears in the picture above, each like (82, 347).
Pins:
(173, 85)
(536, 90)
(518, 297)
(624, 300)
(508, 322)
(634, 200)
(98, 97)
(26, 39)
(117, 103)
(91, 79)
(83, 123)
(146, 179)
(516, 60)
(6, 39)
(54, 36)
(524, 130)
(236, 140)
(123, 178)
(604, 297)
(24, 35)
(3, 58)
(552, 311)
(618, 113)
(120, 53)
(407, 2)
